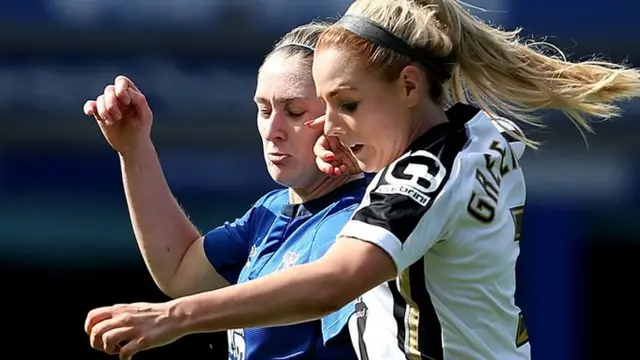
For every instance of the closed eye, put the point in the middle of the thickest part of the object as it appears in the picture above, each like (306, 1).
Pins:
(350, 107)
(295, 114)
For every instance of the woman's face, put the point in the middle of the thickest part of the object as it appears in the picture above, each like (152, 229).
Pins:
(369, 115)
(286, 99)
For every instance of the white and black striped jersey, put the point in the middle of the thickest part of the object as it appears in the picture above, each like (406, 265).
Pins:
(448, 212)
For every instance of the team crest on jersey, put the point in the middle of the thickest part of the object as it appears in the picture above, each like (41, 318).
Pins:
(290, 259)
(415, 175)
(237, 344)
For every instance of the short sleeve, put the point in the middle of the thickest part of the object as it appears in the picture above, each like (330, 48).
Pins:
(333, 323)
(227, 246)
(407, 206)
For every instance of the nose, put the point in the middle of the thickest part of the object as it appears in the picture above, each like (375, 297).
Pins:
(332, 124)
(275, 127)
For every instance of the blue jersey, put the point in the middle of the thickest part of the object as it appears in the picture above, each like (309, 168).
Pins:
(275, 235)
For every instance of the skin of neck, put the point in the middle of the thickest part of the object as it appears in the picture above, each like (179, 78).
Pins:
(426, 116)
(321, 187)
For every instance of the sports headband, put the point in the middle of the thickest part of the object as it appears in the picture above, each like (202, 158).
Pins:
(295, 44)
(375, 33)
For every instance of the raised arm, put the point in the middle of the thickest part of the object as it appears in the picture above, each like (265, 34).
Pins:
(171, 245)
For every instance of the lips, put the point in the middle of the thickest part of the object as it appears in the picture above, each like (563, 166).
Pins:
(277, 157)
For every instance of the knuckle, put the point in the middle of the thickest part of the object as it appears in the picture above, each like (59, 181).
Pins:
(143, 341)
(125, 319)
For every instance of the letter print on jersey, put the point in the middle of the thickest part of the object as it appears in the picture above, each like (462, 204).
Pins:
(455, 274)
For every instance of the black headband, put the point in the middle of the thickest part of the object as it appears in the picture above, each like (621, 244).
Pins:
(371, 31)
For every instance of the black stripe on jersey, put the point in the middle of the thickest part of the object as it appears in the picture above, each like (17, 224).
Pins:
(399, 213)
(418, 326)
(399, 310)
(419, 330)
(422, 322)
(429, 328)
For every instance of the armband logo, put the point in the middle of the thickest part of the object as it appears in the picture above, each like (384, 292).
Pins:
(416, 175)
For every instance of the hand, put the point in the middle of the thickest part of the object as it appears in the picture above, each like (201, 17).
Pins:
(123, 115)
(129, 329)
(332, 156)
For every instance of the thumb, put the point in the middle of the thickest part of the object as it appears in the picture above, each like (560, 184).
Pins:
(132, 347)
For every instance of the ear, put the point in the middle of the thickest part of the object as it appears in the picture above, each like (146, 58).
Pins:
(409, 85)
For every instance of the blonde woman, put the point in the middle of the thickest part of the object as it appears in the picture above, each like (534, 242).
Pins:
(431, 251)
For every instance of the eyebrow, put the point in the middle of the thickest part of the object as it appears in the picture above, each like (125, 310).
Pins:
(286, 99)
(340, 88)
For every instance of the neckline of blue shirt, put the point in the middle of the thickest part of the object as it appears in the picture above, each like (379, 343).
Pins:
(312, 207)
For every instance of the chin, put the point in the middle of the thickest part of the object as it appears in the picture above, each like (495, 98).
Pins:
(367, 164)
(281, 177)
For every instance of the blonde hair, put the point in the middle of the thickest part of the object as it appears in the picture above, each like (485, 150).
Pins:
(487, 66)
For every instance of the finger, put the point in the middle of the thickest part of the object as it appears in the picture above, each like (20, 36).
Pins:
(317, 123)
(122, 85)
(133, 347)
(113, 339)
(99, 329)
(125, 83)
(112, 103)
(95, 316)
(102, 110)
(321, 149)
(139, 101)
(324, 166)
(90, 108)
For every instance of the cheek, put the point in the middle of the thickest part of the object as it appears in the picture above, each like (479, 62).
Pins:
(262, 131)
(305, 140)
(377, 123)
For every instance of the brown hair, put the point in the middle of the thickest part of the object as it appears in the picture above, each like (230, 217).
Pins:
(492, 68)
(300, 41)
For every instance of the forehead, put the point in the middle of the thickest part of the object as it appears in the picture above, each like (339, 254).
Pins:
(284, 76)
(333, 68)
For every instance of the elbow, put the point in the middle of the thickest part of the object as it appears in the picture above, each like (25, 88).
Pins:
(170, 290)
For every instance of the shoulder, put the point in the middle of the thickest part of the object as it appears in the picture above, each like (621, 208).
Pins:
(424, 171)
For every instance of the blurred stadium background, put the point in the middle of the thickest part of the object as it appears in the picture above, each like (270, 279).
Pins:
(65, 239)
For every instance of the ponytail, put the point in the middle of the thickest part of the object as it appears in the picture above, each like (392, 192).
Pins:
(484, 65)
(500, 73)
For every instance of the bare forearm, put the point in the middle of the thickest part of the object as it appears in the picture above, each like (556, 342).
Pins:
(291, 296)
(161, 227)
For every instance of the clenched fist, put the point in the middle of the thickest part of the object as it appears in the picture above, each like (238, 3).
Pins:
(123, 114)
(332, 156)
